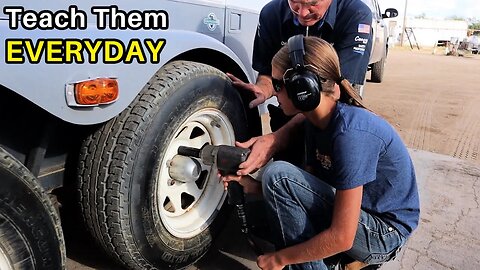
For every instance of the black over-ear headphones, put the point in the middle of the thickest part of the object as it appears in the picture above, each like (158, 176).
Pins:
(303, 85)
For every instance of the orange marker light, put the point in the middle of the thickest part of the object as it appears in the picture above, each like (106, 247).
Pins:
(96, 92)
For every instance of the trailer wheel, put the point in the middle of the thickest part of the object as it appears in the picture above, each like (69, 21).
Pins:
(30, 232)
(141, 215)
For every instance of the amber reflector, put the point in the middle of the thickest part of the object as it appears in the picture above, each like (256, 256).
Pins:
(97, 91)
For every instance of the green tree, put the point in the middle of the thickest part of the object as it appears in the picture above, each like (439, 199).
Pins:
(475, 25)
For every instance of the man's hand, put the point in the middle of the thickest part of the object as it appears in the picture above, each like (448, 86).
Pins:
(263, 90)
(262, 150)
(269, 262)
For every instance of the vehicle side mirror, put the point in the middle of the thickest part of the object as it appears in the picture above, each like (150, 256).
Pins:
(390, 13)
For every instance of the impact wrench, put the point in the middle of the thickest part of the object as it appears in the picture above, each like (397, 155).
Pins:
(227, 158)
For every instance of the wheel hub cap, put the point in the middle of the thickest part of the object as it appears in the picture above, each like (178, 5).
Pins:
(189, 193)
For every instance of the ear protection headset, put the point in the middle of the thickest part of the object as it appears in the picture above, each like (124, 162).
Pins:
(303, 86)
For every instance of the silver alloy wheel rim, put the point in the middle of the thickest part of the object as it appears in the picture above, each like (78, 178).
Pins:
(5, 263)
(187, 208)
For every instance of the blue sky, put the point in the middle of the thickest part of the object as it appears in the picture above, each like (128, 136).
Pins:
(435, 8)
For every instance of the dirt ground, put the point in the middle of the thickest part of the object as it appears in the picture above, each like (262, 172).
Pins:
(432, 100)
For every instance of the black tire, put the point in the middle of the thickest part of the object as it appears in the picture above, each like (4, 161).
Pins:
(124, 193)
(378, 69)
(30, 232)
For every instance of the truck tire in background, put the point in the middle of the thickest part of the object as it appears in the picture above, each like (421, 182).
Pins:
(378, 70)
(30, 232)
(136, 211)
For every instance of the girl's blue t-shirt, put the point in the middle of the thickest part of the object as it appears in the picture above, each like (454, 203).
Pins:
(360, 148)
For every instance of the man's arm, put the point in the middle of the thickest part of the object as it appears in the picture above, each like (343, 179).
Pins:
(265, 82)
(262, 89)
(263, 51)
(338, 238)
(355, 44)
(265, 45)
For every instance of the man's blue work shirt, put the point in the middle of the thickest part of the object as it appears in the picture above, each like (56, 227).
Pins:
(359, 148)
(347, 25)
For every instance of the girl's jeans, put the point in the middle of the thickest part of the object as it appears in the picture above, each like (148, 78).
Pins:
(299, 206)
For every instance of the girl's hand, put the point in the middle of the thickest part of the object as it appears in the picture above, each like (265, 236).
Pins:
(269, 262)
(250, 185)
(262, 150)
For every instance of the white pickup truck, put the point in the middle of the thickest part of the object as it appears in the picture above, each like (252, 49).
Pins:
(378, 56)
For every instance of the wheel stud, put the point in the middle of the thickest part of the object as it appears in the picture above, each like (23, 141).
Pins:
(214, 123)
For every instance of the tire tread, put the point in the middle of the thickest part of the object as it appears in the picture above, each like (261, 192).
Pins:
(106, 164)
(15, 167)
